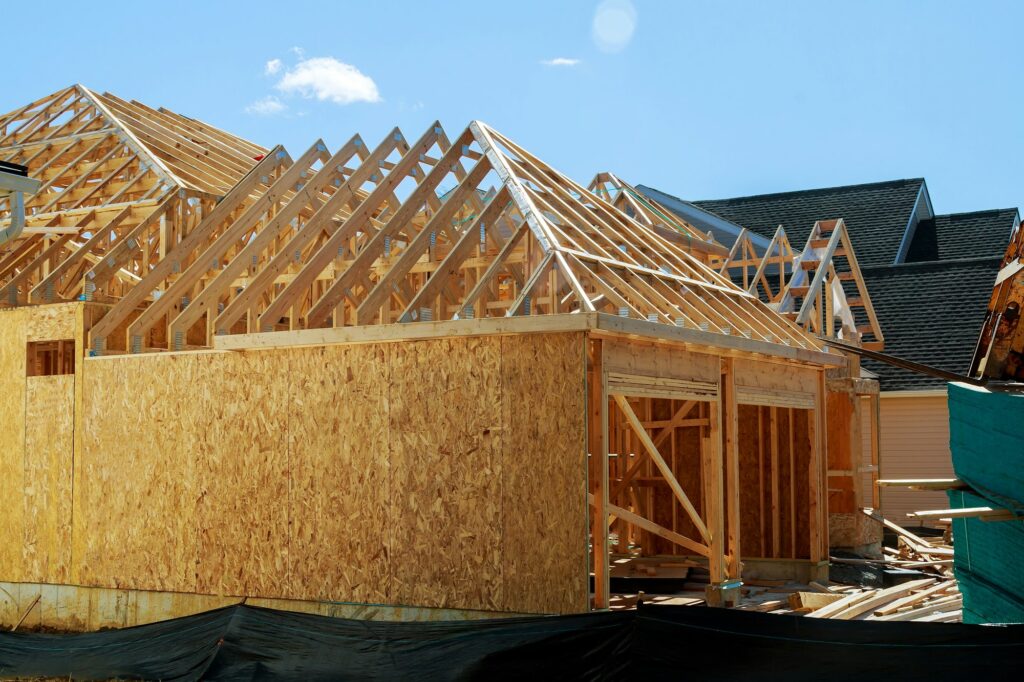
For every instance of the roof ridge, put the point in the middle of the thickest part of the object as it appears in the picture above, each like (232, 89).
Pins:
(919, 263)
(814, 190)
(981, 212)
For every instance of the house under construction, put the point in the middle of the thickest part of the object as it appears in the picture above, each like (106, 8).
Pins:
(415, 378)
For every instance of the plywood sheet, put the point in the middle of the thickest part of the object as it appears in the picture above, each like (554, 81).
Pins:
(49, 454)
(543, 496)
(12, 441)
(446, 473)
(235, 415)
(136, 522)
(52, 322)
(373, 473)
(339, 441)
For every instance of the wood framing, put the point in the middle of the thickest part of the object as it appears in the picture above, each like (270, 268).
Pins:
(121, 185)
(431, 372)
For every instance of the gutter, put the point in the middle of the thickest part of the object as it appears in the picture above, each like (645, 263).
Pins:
(14, 184)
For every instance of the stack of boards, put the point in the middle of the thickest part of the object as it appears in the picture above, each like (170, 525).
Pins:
(925, 600)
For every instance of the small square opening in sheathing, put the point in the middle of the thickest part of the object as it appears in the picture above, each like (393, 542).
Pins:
(50, 358)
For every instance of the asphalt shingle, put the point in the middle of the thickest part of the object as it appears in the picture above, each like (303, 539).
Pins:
(930, 313)
(962, 235)
(876, 214)
(930, 307)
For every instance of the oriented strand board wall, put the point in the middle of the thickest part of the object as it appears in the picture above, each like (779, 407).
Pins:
(914, 444)
(49, 443)
(12, 441)
(24, 555)
(339, 442)
(447, 473)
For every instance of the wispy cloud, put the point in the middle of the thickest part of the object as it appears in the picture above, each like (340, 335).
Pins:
(327, 79)
(560, 61)
(272, 67)
(268, 106)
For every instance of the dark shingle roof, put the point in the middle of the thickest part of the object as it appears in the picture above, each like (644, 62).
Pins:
(931, 307)
(875, 214)
(962, 235)
(930, 313)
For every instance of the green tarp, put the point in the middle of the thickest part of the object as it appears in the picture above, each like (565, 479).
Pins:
(986, 434)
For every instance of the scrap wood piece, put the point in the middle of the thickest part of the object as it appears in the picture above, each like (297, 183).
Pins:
(942, 617)
(829, 610)
(913, 599)
(765, 606)
(918, 544)
(879, 598)
(810, 601)
(945, 604)
(922, 483)
(818, 587)
(27, 611)
(983, 513)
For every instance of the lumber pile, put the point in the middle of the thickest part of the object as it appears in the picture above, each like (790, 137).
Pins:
(924, 600)
(933, 556)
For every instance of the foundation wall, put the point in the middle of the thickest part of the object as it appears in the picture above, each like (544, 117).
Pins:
(446, 473)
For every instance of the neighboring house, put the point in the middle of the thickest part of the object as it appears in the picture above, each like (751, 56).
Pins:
(929, 277)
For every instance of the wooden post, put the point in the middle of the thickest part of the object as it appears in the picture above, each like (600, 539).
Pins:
(711, 466)
(598, 448)
(773, 432)
(815, 474)
(731, 430)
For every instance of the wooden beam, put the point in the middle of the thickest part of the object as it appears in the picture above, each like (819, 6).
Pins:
(663, 466)
(730, 444)
(983, 513)
(597, 428)
(923, 483)
(652, 527)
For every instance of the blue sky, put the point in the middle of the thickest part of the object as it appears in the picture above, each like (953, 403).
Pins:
(701, 99)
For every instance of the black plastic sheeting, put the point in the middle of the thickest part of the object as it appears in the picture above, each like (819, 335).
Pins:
(654, 642)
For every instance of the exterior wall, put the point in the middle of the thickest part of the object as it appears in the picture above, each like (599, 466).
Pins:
(914, 430)
(447, 473)
(35, 446)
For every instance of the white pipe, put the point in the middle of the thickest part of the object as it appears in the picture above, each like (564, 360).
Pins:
(13, 231)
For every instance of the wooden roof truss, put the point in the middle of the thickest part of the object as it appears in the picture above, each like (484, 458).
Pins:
(121, 184)
(432, 229)
(820, 288)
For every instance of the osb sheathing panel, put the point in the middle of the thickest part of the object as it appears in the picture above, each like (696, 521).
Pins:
(242, 476)
(51, 322)
(446, 473)
(544, 452)
(385, 473)
(12, 441)
(49, 435)
(339, 438)
(17, 327)
(137, 494)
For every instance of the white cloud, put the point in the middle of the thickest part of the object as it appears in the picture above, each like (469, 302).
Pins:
(326, 78)
(272, 67)
(268, 106)
(560, 61)
(614, 23)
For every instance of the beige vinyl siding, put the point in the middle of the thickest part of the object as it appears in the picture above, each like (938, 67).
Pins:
(865, 451)
(914, 444)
